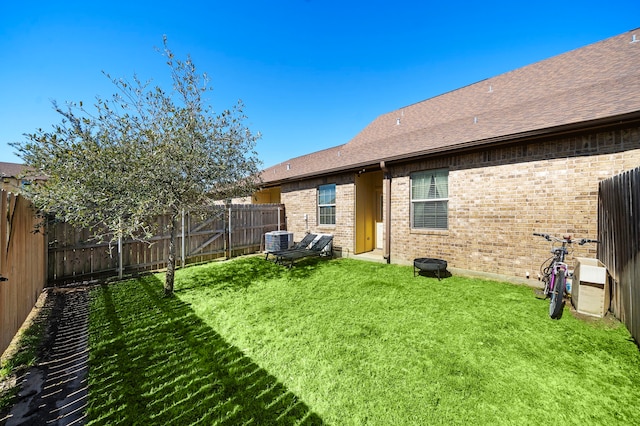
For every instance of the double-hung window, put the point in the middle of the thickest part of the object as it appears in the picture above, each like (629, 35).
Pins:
(430, 199)
(327, 204)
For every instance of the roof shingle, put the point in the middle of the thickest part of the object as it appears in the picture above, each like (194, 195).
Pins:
(594, 82)
(15, 170)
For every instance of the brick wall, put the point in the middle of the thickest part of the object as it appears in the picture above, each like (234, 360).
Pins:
(497, 199)
(300, 200)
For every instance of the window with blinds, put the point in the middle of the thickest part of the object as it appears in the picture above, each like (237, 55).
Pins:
(429, 199)
(327, 204)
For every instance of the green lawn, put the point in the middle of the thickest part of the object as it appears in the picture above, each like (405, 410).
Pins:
(348, 342)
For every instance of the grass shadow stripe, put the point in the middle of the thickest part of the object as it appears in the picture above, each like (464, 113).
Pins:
(200, 376)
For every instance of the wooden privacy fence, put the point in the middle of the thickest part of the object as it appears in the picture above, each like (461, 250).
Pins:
(22, 264)
(619, 248)
(224, 231)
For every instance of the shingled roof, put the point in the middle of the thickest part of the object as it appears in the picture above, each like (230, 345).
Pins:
(15, 170)
(595, 83)
(10, 169)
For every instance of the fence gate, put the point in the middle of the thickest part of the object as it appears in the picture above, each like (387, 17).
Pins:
(224, 231)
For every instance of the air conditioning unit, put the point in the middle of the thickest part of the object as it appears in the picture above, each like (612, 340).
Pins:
(278, 240)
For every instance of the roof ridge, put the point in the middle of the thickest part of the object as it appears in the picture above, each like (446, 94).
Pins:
(593, 82)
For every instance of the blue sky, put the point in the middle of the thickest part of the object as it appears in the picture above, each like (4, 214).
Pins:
(312, 73)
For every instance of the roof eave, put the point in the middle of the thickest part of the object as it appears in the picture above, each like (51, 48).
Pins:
(565, 129)
(562, 130)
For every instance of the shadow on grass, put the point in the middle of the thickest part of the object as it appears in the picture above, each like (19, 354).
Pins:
(241, 273)
(153, 361)
(434, 274)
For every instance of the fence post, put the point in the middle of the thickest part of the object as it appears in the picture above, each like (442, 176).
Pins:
(3, 231)
(230, 246)
(279, 218)
(182, 248)
(202, 232)
(120, 268)
(224, 231)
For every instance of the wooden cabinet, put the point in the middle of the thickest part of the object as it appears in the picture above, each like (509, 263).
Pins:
(590, 292)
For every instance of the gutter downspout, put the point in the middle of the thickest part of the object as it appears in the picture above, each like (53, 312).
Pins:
(387, 211)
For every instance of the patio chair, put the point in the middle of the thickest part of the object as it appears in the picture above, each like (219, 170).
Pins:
(316, 249)
(303, 244)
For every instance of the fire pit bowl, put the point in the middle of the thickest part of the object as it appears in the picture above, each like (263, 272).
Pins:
(429, 264)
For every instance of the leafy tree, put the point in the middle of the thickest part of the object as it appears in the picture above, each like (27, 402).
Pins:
(141, 153)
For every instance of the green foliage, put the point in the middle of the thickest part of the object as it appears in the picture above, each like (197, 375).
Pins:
(143, 151)
(140, 153)
(24, 356)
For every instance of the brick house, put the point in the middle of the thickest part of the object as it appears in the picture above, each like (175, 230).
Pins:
(14, 176)
(469, 175)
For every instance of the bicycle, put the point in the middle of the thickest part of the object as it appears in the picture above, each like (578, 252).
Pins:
(554, 271)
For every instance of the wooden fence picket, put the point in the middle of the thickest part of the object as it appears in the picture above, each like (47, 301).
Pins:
(22, 263)
(73, 257)
(619, 248)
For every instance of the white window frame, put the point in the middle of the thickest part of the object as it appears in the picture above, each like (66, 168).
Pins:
(433, 175)
(325, 205)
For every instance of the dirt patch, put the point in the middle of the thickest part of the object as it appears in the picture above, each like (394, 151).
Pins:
(54, 391)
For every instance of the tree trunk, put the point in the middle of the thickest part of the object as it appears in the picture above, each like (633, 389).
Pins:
(171, 262)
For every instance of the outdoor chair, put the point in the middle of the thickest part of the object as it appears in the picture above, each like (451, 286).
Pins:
(316, 249)
(303, 244)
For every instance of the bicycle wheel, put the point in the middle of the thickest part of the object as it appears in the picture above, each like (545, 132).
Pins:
(555, 307)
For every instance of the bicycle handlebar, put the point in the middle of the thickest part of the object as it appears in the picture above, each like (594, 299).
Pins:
(586, 240)
(566, 238)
